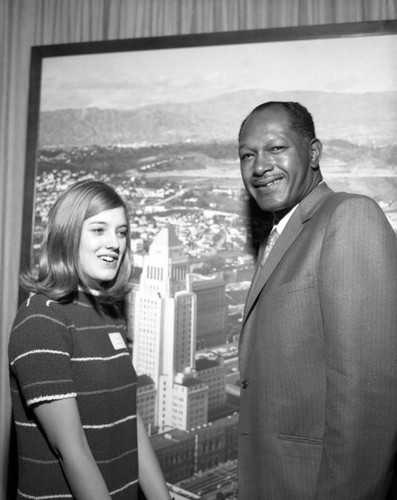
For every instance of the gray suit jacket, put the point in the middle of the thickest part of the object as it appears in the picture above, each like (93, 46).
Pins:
(318, 357)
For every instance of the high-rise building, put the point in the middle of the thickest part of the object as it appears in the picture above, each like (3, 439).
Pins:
(212, 313)
(164, 334)
(213, 373)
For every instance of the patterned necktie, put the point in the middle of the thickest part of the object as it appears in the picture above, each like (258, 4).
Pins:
(271, 240)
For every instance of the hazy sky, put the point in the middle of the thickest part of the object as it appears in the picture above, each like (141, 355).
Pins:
(132, 79)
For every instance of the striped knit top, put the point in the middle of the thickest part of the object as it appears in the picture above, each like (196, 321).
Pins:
(74, 350)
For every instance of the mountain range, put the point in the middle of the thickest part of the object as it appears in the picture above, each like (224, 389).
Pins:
(368, 118)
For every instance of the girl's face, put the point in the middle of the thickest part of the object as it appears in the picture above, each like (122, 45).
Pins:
(103, 243)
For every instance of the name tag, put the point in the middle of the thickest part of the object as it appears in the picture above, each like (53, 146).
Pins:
(117, 340)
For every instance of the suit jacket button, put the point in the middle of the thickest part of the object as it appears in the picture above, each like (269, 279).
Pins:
(244, 384)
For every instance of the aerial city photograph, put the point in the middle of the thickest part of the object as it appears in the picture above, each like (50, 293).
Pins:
(164, 135)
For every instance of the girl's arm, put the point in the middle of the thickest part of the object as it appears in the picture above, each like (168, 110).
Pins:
(151, 477)
(62, 427)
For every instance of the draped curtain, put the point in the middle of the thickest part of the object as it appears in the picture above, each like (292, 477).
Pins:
(25, 23)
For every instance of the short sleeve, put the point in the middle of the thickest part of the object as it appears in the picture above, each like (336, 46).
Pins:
(40, 351)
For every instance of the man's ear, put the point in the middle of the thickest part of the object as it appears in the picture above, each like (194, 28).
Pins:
(316, 149)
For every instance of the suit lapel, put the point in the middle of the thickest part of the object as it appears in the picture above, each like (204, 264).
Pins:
(291, 231)
(286, 238)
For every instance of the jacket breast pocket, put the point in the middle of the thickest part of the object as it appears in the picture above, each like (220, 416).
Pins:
(290, 314)
(294, 286)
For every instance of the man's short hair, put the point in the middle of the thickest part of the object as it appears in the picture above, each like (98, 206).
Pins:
(301, 119)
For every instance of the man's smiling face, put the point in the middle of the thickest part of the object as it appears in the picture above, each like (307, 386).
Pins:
(277, 168)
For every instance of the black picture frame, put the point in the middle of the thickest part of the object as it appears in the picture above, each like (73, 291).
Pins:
(258, 221)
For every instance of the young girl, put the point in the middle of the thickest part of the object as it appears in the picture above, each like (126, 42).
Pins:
(72, 381)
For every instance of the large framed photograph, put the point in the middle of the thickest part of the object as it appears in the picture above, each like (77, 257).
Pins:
(158, 119)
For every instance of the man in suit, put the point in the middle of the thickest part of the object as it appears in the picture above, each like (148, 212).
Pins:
(318, 348)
